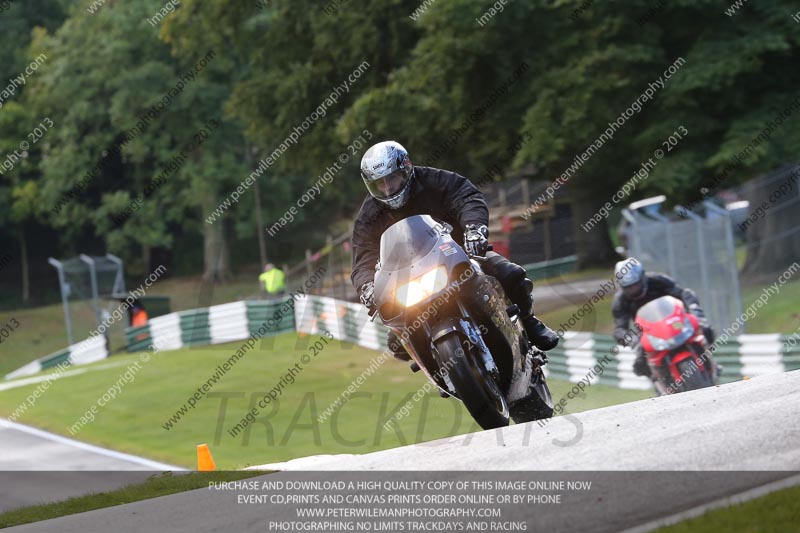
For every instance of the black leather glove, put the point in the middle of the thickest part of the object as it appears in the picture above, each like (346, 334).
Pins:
(476, 239)
(699, 314)
(622, 337)
(709, 334)
(368, 296)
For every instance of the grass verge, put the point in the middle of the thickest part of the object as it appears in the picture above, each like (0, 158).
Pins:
(155, 486)
(136, 420)
(778, 512)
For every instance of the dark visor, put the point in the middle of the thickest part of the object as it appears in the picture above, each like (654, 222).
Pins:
(633, 291)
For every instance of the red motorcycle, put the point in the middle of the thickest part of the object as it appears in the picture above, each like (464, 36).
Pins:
(674, 345)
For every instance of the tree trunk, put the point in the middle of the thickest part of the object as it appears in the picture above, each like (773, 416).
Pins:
(773, 234)
(593, 247)
(147, 254)
(260, 228)
(216, 255)
(23, 251)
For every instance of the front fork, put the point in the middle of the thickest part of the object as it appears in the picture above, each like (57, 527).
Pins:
(465, 329)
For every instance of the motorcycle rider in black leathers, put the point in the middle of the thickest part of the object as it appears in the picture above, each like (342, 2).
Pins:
(398, 190)
(639, 288)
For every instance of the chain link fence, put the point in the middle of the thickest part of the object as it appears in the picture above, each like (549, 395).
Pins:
(770, 227)
(698, 252)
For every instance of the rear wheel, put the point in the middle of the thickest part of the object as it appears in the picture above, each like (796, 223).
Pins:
(538, 404)
(693, 377)
(475, 387)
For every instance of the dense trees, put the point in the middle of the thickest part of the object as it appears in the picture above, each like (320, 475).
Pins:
(457, 92)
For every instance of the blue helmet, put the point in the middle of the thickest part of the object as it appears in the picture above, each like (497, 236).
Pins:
(630, 275)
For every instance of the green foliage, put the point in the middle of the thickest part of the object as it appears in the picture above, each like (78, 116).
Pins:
(276, 63)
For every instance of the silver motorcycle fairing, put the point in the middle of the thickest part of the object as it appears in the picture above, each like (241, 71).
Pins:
(409, 248)
(415, 245)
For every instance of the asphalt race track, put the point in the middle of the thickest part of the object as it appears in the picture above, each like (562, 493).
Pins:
(748, 432)
(746, 425)
(24, 449)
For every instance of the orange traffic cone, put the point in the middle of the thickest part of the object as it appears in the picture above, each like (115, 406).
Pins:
(205, 462)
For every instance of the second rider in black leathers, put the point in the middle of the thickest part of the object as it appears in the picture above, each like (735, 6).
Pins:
(639, 288)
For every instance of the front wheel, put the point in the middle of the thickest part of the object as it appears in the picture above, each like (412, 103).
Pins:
(693, 377)
(475, 387)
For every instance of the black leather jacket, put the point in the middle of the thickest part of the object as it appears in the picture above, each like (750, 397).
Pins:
(624, 309)
(444, 195)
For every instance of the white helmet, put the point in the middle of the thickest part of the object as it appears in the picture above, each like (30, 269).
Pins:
(387, 171)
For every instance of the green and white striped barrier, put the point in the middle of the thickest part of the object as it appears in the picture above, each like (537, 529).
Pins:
(218, 324)
(87, 351)
(577, 356)
(345, 320)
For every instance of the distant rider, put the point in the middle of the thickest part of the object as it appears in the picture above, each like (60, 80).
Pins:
(637, 289)
(398, 190)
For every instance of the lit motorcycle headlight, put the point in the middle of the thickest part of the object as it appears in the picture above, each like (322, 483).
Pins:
(422, 287)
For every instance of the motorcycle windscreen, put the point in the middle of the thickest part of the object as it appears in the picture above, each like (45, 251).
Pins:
(407, 241)
(659, 309)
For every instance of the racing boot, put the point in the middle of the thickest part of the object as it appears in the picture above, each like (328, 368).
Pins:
(396, 347)
(539, 334)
